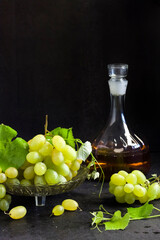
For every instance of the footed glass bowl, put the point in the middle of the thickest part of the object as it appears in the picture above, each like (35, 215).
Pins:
(40, 192)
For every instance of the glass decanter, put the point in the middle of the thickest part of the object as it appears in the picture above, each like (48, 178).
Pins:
(116, 147)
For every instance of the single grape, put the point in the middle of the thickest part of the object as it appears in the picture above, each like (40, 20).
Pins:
(119, 191)
(4, 205)
(111, 187)
(13, 181)
(120, 199)
(51, 177)
(75, 165)
(69, 176)
(139, 191)
(128, 187)
(58, 142)
(74, 173)
(62, 179)
(129, 198)
(34, 157)
(8, 198)
(63, 169)
(57, 157)
(11, 172)
(25, 182)
(123, 173)
(131, 178)
(18, 212)
(153, 190)
(69, 153)
(39, 181)
(40, 168)
(46, 149)
(58, 210)
(70, 205)
(3, 177)
(48, 161)
(143, 199)
(2, 191)
(140, 176)
(37, 142)
(29, 173)
(118, 179)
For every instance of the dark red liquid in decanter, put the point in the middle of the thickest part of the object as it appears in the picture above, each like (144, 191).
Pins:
(116, 147)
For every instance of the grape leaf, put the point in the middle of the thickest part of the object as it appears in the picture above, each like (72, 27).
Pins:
(140, 212)
(98, 217)
(84, 151)
(117, 222)
(66, 133)
(12, 152)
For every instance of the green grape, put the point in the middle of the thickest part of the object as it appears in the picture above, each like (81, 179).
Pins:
(40, 168)
(118, 179)
(69, 176)
(3, 177)
(123, 173)
(129, 198)
(34, 157)
(111, 187)
(128, 187)
(63, 169)
(51, 177)
(139, 191)
(4, 205)
(158, 193)
(18, 212)
(46, 149)
(29, 173)
(2, 191)
(58, 142)
(70, 205)
(140, 176)
(153, 190)
(143, 199)
(131, 178)
(57, 157)
(119, 191)
(13, 181)
(62, 179)
(48, 161)
(11, 172)
(69, 153)
(58, 210)
(25, 182)
(39, 181)
(120, 199)
(75, 165)
(74, 173)
(8, 198)
(37, 142)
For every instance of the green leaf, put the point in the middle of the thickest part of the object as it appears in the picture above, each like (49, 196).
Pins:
(98, 217)
(140, 212)
(84, 151)
(12, 153)
(66, 133)
(117, 222)
(7, 133)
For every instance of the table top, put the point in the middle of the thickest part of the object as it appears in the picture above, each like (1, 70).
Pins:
(38, 224)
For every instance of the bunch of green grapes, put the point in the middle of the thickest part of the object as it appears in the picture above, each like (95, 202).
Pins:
(48, 164)
(5, 199)
(129, 187)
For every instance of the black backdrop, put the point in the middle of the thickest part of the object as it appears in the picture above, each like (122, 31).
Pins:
(54, 56)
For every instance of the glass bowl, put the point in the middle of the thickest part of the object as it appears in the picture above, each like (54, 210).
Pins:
(40, 192)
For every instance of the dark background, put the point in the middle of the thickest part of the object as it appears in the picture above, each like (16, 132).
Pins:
(54, 56)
